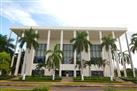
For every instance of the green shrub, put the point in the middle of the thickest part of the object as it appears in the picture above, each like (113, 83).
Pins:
(129, 79)
(110, 89)
(5, 77)
(92, 79)
(41, 89)
(41, 78)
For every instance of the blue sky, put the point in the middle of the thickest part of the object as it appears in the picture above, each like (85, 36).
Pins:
(87, 13)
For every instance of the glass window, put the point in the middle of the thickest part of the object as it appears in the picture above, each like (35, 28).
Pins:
(37, 72)
(95, 51)
(40, 54)
(68, 54)
(97, 73)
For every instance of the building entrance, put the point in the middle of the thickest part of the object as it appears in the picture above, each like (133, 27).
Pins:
(67, 73)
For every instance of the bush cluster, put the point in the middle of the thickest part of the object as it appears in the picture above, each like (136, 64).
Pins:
(41, 78)
(41, 89)
(129, 79)
(92, 79)
(6, 77)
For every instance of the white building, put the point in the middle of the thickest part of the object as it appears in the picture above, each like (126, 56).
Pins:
(49, 36)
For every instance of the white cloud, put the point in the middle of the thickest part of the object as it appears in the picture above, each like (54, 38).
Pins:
(15, 13)
(100, 13)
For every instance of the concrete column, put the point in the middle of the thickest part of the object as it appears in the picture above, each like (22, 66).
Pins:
(124, 66)
(132, 66)
(100, 40)
(100, 36)
(89, 46)
(18, 59)
(13, 57)
(30, 58)
(48, 45)
(88, 59)
(74, 34)
(48, 39)
(61, 48)
(116, 57)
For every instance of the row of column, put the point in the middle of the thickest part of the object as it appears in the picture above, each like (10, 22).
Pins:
(61, 47)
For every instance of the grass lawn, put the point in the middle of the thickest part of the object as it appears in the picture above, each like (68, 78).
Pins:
(3, 89)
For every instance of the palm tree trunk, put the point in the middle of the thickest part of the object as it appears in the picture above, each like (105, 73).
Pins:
(124, 66)
(0, 72)
(53, 73)
(26, 59)
(82, 76)
(117, 63)
(111, 66)
(103, 71)
(89, 71)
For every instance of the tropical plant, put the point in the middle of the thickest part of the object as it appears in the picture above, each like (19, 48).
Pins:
(109, 44)
(133, 43)
(126, 60)
(54, 59)
(4, 62)
(115, 57)
(101, 63)
(89, 63)
(81, 44)
(6, 44)
(29, 39)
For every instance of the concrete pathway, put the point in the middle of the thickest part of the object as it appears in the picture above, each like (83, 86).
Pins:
(66, 86)
(67, 79)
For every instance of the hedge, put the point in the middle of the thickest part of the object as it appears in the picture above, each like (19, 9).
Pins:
(41, 78)
(132, 79)
(5, 77)
(92, 79)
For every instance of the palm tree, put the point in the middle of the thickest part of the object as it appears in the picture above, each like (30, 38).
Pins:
(126, 60)
(98, 61)
(109, 44)
(54, 59)
(4, 62)
(6, 44)
(29, 39)
(134, 43)
(115, 57)
(92, 61)
(81, 44)
(40, 66)
(89, 63)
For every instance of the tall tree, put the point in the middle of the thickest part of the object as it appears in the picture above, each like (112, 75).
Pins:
(29, 39)
(109, 44)
(4, 62)
(134, 43)
(54, 59)
(126, 60)
(92, 61)
(6, 44)
(81, 44)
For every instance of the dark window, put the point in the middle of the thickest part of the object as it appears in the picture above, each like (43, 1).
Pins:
(68, 54)
(95, 51)
(37, 72)
(78, 73)
(67, 73)
(97, 73)
(40, 54)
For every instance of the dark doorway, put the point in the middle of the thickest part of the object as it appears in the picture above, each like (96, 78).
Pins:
(67, 73)
(78, 73)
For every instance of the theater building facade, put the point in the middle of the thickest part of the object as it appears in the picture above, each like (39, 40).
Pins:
(50, 36)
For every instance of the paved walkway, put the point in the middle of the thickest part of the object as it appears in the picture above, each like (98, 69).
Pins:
(66, 86)
(67, 79)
